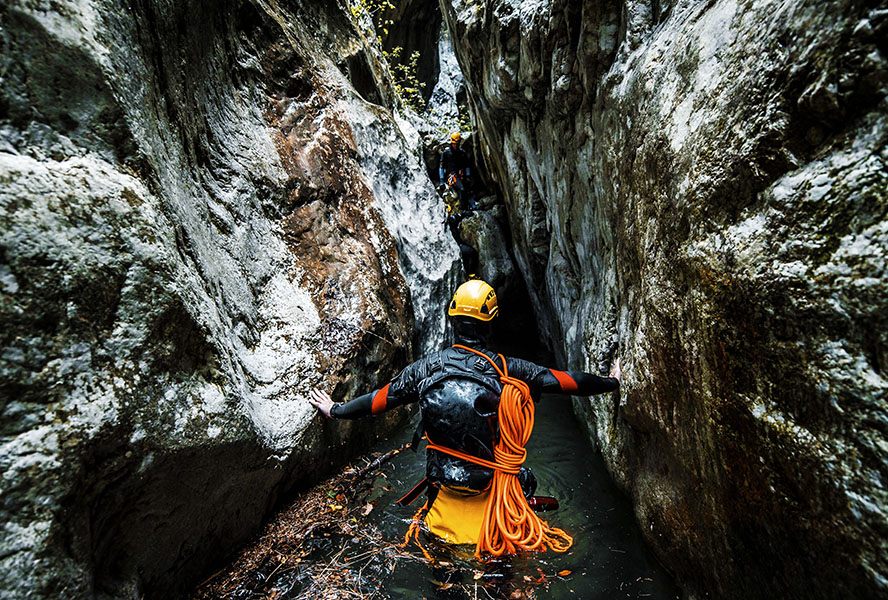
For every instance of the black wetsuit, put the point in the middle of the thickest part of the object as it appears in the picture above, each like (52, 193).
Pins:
(458, 393)
(453, 160)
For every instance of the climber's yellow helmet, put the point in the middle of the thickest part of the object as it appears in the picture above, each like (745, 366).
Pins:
(474, 298)
(455, 138)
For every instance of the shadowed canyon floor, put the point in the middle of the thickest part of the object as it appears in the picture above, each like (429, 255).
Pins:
(341, 539)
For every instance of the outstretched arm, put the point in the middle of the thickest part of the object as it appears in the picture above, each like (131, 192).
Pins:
(579, 383)
(363, 406)
(401, 390)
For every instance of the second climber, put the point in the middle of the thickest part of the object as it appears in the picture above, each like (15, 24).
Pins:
(455, 172)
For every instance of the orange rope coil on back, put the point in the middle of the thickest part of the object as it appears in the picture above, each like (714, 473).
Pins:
(509, 524)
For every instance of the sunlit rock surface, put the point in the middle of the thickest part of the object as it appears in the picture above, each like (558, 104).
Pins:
(204, 211)
(442, 111)
(700, 187)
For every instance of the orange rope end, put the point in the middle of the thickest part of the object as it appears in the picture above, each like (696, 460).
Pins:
(414, 530)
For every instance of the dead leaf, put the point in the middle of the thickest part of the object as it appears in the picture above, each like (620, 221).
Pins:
(478, 575)
(445, 586)
(564, 573)
(368, 508)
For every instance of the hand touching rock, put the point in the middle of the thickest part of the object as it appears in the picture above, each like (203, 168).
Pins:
(616, 372)
(321, 400)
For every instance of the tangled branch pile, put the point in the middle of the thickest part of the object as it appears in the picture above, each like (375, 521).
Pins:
(288, 560)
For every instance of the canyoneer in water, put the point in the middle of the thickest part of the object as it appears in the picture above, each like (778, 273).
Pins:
(477, 411)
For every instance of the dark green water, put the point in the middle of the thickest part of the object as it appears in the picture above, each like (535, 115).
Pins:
(608, 559)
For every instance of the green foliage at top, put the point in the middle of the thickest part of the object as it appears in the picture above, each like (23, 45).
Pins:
(375, 9)
(406, 83)
(373, 17)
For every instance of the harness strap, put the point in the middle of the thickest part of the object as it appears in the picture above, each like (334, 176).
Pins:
(512, 469)
(501, 372)
(413, 494)
(417, 436)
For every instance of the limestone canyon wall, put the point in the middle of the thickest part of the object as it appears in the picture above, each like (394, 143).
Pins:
(700, 188)
(205, 209)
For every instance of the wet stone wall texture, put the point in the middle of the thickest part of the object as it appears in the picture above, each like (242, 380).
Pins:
(205, 209)
(701, 189)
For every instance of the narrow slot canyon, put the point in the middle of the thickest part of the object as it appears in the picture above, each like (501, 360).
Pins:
(209, 209)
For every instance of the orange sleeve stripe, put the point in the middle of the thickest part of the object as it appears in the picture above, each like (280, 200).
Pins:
(566, 382)
(380, 399)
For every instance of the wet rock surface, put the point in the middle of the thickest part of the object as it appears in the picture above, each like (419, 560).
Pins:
(202, 214)
(484, 230)
(700, 187)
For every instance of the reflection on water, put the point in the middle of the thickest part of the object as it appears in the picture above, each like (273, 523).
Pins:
(608, 559)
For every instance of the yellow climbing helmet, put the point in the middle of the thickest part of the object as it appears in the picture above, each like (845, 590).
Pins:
(455, 138)
(474, 298)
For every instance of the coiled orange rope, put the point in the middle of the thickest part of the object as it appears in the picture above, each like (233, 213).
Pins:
(509, 524)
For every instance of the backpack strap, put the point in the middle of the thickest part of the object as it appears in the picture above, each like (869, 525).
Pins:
(413, 494)
(442, 368)
(504, 372)
(417, 435)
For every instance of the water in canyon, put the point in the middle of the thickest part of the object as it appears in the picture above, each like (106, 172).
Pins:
(607, 560)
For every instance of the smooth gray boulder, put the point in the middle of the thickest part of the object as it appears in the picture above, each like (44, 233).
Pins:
(700, 188)
(204, 211)
(483, 230)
